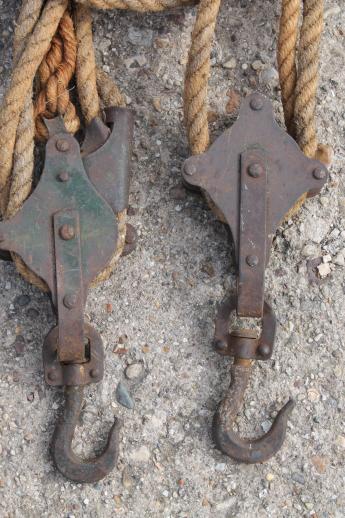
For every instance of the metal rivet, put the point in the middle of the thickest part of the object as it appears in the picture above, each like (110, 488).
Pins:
(70, 300)
(94, 373)
(255, 170)
(189, 169)
(63, 177)
(67, 232)
(319, 173)
(264, 349)
(256, 103)
(52, 376)
(252, 260)
(220, 345)
(62, 145)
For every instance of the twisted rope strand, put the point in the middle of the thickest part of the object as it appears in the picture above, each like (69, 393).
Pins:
(135, 5)
(20, 183)
(308, 66)
(287, 41)
(197, 75)
(55, 74)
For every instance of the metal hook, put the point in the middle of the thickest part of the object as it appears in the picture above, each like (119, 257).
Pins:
(66, 461)
(245, 450)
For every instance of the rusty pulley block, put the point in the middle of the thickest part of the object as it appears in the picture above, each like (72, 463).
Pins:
(254, 174)
(66, 233)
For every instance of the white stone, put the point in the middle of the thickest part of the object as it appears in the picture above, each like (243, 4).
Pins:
(133, 371)
(324, 269)
(142, 454)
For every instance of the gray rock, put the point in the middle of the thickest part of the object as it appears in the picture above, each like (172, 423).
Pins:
(311, 250)
(123, 397)
(270, 77)
(314, 228)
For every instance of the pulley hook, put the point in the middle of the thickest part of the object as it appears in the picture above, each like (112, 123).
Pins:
(66, 461)
(240, 449)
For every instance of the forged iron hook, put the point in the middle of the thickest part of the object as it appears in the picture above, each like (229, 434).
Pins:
(246, 450)
(66, 461)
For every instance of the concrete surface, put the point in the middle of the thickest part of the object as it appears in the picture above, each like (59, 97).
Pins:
(160, 304)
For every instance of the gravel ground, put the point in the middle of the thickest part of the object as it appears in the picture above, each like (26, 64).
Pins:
(158, 308)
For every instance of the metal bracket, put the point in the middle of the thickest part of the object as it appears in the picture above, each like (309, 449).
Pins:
(66, 232)
(254, 173)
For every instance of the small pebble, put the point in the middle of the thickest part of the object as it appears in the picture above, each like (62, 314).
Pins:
(257, 65)
(133, 371)
(320, 463)
(269, 77)
(127, 479)
(230, 64)
(266, 425)
(313, 395)
(311, 250)
(123, 397)
(324, 269)
(341, 441)
(22, 300)
(299, 478)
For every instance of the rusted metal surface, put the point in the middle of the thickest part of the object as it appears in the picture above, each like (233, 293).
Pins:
(108, 166)
(30, 232)
(254, 167)
(221, 174)
(229, 442)
(254, 174)
(244, 343)
(66, 232)
(66, 461)
(91, 370)
(69, 286)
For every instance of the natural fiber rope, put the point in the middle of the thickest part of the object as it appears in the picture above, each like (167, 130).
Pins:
(197, 76)
(287, 41)
(298, 63)
(307, 79)
(48, 46)
(54, 75)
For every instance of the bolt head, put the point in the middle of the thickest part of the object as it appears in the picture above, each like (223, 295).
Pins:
(256, 103)
(264, 350)
(252, 260)
(52, 376)
(70, 300)
(319, 173)
(62, 145)
(189, 168)
(255, 170)
(63, 177)
(220, 345)
(94, 373)
(67, 232)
